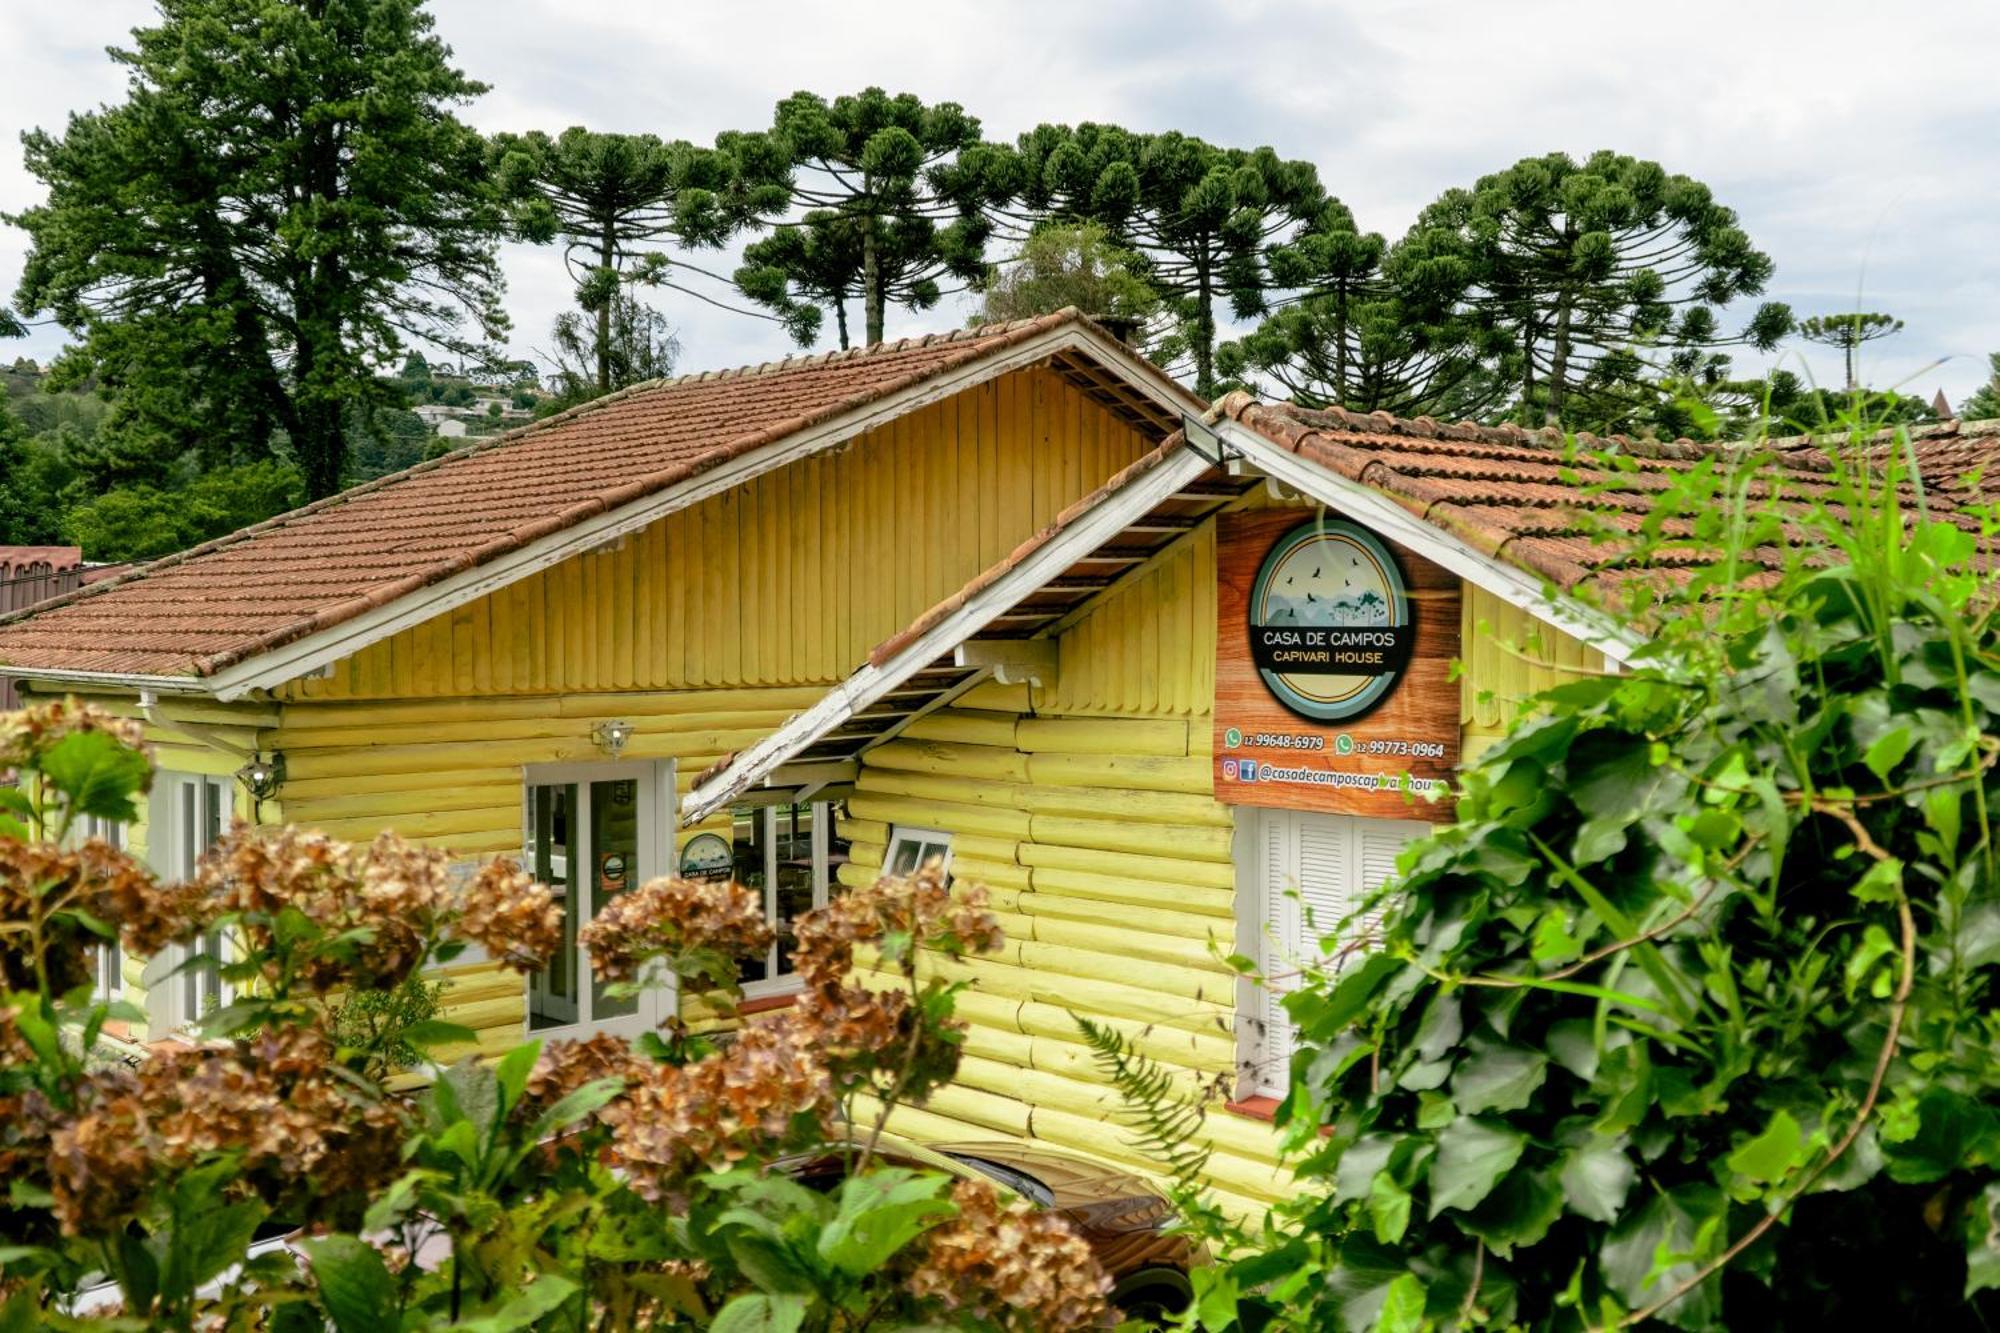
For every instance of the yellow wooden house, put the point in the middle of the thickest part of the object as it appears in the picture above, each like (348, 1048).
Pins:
(1175, 682)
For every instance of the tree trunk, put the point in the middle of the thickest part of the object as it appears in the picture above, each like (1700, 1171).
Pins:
(871, 283)
(1559, 348)
(1204, 331)
(606, 252)
(840, 318)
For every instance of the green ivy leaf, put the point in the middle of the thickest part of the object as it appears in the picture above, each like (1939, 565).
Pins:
(1402, 1306)
(1771, 1155)
(1888, 750)
(1472, 1155)
(1388, 1208)
(1597, 1176)
(1497, 1077)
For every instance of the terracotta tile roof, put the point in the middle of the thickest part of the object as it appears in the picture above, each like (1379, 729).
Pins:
(1513, 493)
(199, 611)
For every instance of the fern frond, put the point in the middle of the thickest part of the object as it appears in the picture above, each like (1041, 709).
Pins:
(1164, 1120)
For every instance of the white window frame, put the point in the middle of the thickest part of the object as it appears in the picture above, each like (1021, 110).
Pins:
(108, 966)
(657, 1001)
(774, 982)
(937, 840)
(1271, 928)
(174, 1000)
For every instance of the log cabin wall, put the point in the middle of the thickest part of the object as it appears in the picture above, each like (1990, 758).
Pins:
(705, 631)
(1088, 809)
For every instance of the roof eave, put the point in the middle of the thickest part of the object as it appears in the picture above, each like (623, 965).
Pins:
(112, 680)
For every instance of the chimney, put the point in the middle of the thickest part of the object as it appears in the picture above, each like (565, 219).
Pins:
(1122, 327)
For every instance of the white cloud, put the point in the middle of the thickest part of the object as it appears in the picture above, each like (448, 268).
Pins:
(1860, 142)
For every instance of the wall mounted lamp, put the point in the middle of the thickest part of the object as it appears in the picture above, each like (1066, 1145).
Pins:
(611, 736)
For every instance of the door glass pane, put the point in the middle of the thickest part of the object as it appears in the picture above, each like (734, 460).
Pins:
(552, 992)
(748, 846)
(795, 876)
(614, 859)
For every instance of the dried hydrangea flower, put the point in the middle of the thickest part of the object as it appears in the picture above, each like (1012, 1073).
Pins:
(673, 917)
(763, 1094)
(565, 1066)
(1012, 1265)
(274, 1103)
(95, 878)
(516, 920)
(30, 733)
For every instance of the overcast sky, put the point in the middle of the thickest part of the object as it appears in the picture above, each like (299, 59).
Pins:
(1859, 142)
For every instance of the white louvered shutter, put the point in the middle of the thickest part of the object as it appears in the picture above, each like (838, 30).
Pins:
(1274, 1050)
(1380, 842)
(1315, 870)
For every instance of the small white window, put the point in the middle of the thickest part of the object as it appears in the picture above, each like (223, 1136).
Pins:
(190, 813)
(791, 854)
(911, 849)
(1312, 872)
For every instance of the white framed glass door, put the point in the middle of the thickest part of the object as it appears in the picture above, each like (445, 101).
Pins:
(591, 832)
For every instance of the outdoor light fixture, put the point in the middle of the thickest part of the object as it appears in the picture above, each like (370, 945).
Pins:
(262, 777)
(611, 736)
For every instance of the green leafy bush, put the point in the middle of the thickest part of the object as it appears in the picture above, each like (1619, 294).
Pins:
(598, 1184)
(1690, 1017)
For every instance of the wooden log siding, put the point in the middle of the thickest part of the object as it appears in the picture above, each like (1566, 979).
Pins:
(1109, 865)
(789, 579)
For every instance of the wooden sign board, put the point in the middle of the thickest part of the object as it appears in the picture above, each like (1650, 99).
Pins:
(1333, 687)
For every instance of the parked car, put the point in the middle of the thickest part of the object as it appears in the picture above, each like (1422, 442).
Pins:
(1123, 1218)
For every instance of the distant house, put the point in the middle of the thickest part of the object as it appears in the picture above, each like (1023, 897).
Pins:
(33, 574)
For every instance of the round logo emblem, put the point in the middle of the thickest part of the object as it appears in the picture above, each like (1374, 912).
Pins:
(706, 856)
(1330, 621)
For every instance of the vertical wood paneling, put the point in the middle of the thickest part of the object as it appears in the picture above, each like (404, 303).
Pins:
(793, 577)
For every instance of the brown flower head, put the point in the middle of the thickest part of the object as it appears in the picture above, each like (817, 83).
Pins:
(504, 911)
(298, 1131)
(920, 911)
(565, 1066)
(675, 918)
(96, 879)
(378, 911)
(763, 1094)
(1011, 1265)
(28, 735)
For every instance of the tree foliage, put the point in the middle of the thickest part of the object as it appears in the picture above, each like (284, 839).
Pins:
(868, 200)
(613, 201)
(1848, 333)
(283, 199)
(1060, 267)
(1373, 327)
(1200, 218)
(1688, 1017)
(1984, 402)
(633, 343)
(1585, 265)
